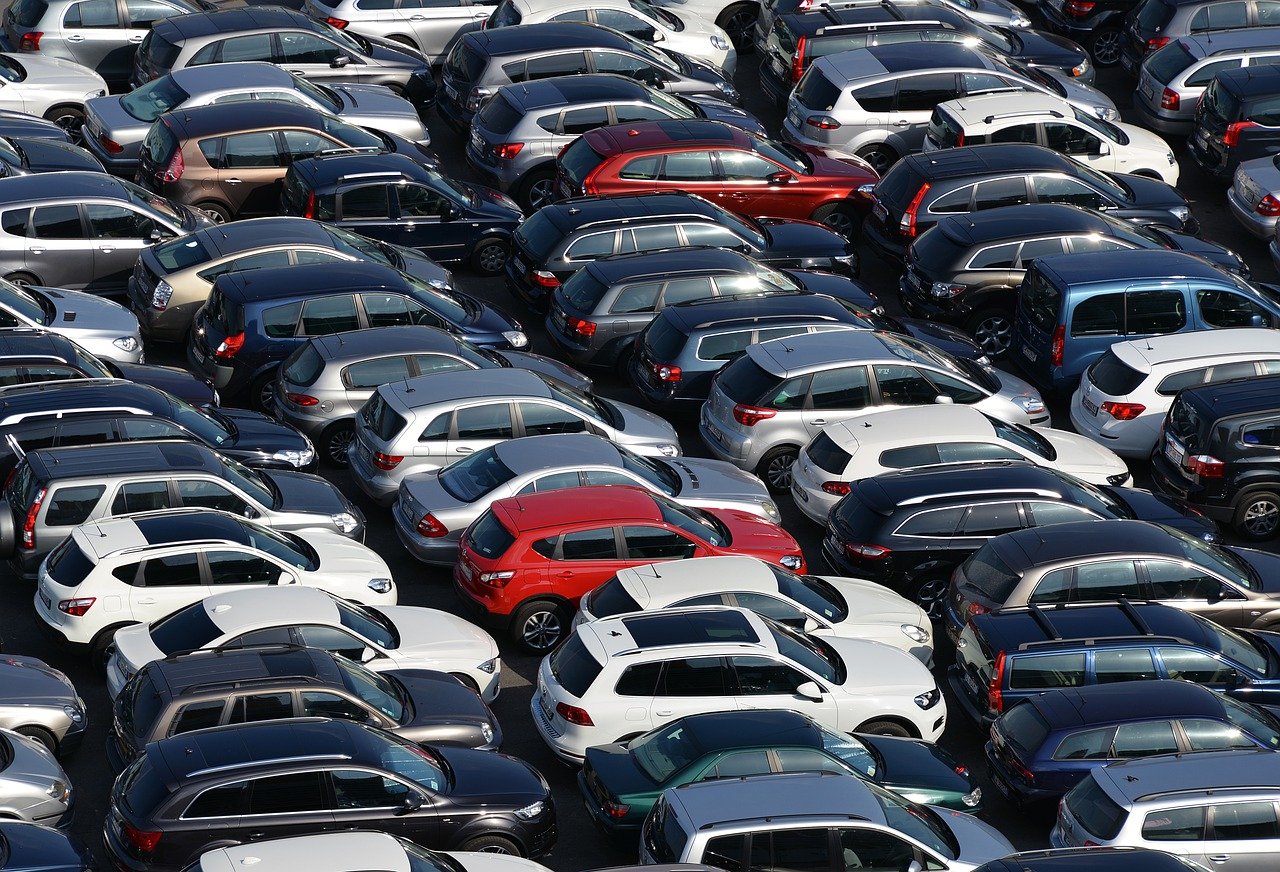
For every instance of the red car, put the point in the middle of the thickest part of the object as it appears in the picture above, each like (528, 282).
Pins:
(527, 561)
(735, 169)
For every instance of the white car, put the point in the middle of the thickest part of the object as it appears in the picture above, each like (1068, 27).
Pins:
(1124, 395)
(102, 327)
(388, 637)
(343, 852)
(849, 608)
(918, 436)
(673, 29)
(616, 678)
(49, 87)
(138, 568)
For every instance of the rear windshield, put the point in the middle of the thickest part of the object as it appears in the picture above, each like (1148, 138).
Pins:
(27, 13)
(185, 630)
(1113, 376)
(662, 340)
(538, 234)
(989, 574)
(936, 248)
(827, 455)
(1096, 812)
(223, 313)
(574, 667)
(1220, 103)
(944, 131)
(745, 381)
(303, 366)
(1168, 62)
(816, 91)
(154, 99)
(464, 64)
(182, 253)
(472, 477)
(663, 836)
(1153, 15)
(488, 537)
(160, 144)
(498, 116)
(584, 291)
(379, 417)
(611, 598)
(141, 787)
(157, 52)
(141, 704)
(898, 186)
(1040, 299)
(68, 565)
(578, 160)
(1024, 727)
(505, 14)
(1188, 423)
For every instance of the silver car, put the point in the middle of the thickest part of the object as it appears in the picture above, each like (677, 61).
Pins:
(325, 382)
(116, 125)
(435, 507)
(1254, 196)
(102, 327)
(425, 423)
(33, 786)
(48, 87)
(779, 395)
(428, 27)
(41, 703)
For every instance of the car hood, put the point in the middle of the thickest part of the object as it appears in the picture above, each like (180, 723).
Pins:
(340, 555)
(494, 205)
(819, 282)
(1210, 251)
(1080, 93)
(873, 664)
(979, 841)
(1047, 49)
(32, 763)
(638, 425)
(1266, 565)
(33, 682)
(75, 312)
(303, 492)
(370, 101)
(1140, 137)
(439, 635)
(107, 115)
(855, 169)
(418, 265)
(486, 318)
(255, 432)
(1082, 457)
(48, 156)
(395, 53)
(34, 848)
(698, 69)
(440, 702)
(53, 72)
(711, 480)
(1151, 192)
(480, 861)
(1148, 506)
(1011, 386)
(618, 770)
(802, 238)
(178, 382)
(756, 537)
(907, 763)
(487, 776)
(943, 336)
(715, 109)
(871, 603)
(549, 367)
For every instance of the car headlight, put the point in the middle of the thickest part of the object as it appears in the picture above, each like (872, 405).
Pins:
(1081, 68)
(1019, 20)
(792, 561)
(973, 798)
(729, 91)
(719, 42)
(771, 509)
(345, 521)
(161, 295)
(531, 811)
(1118, 479)
(441, 284)
(58, 789)
(486, 732)
(76, 715)
(928, 700)
(1182, 213)
(300, 458)
(1107, 113)
(489, 666)
(1030, 403)
(983, 361)
(914, 633)
(516, 338)
(668, 449)
(380, 585)
(126, 343)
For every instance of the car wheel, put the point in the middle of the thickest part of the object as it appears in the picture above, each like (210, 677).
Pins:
(493, 845)
(262, 392)
(539, 626)
(69, 118)
(22, 278)
(216, 212)
(930, 596)
(622, 362)
(41, 735)
(775, 468)
(335, 441)
(101, 646)
(490, 256)
(839, 217)
(885, 728)
(992, 329)
(1258, 516)
(1105, 47)
(536, 191)
(739, 21)
(880, 156)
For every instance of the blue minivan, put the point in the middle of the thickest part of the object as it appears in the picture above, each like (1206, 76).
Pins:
(1072, 308)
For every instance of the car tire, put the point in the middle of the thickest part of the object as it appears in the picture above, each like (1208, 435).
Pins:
(992, 329)
(22, 278)
(1257, 516)
(739, 21)
(69, 118)
(539, 626)
(1105, 47)
(774, 468)
(885, 728)
(622, 363)
(8, 533)
(395, 88)
(41, 735)
(490, 255)
(334, 441)
(101, 642)
(840, 217)
(493, 844)
(217, 212)
(261, 389)
(880, 156)
(536, 190)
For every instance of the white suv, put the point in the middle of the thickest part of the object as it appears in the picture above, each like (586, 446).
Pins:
(619, 677)
(388, 637)
(849, 608)
(1124, 395)
(111, 573)
(1040, 119)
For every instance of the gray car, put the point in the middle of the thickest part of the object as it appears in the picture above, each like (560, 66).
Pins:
(82, 230)
(425, 423)
(324, 383)
(99, 34)
(1254, 195)
(546, 115)
(41, 703)
(116, 125)
(429, 27)
(102, 327)
(33, 786)
(434, 507)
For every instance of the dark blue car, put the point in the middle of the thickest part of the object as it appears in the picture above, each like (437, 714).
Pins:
(26, 847)
(1045, 745)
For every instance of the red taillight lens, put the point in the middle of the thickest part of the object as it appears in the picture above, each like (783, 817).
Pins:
(959, 140)
(431, 528)
(1123, 411)
(303, 400)
(30, 41)
(309, 211)
(140, 840)
(995, 695)
(543, 279)
(497, 579)
(1206, 466)
(865, 551)
(1232, 137)
(615, 809)
(1079, 8)
(581, 326)
(907, 226)
(574, 715)
(749, 416)
(29, 525)
(1019, 769)
(1059, 347)
(229, 347)
(1268, 206)
(336, 22)
(667, 372)
(1157, 42)
(822, 122)
(175, 169)
(1169, 99)
(797, 60)
(976, 609)
(109, 144)
(507, 150)
(836, 488)
(386, 461)
(76, 607)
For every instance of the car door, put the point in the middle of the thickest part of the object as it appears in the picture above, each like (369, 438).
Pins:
(1242, 837)
(250, 171)
(367, 798)
(279, 806)
(59, 251)
(119, 234)
(583, 560)
(166, 583)
(237, 568)
(837, 395)
(898, 386)
(316, 58)
(756, 186)
(764, 682)
(480, 425)
(1184, 585)
(688, 686)
(435, 23)
(432, 222)
(917, 96)
(365, 209)
(95, 32)
(1077, 142)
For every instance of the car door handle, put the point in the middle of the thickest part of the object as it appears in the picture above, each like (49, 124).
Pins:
(662, 713)
(901, 122)
(424, 18)
(256, 835)
(464, 450)
(1219, 858)
(35, 250)
(137, 38)
(106, 249)
(818, 422)
(75, 37)
(298, 72)
(567, 574)
(147, 601)
(231, 181)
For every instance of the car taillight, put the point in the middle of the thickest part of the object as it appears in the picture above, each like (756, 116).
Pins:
(749, 416)
(109, 144)
(1059, 346)
(589, 183)
(386, 461)
(822, 122)
(1123, 411)
(1020, 769)
(431, 528)
(995, 696)
(1170, 99)
(497, 579)
(667, 372)
(836, 488)
(1079, 8)
(907, 226)
(507, 150)
(615, 809)
(76, 607)
(175, 169)
(140, 840)
(574, 715)
(475, 98)
(1206, 466)
(581, 326)
(229, 347)
(797, 60)
(959, 140)
(29, 525)
(304, 400)
(30, 41)
(1157, 42)
(976, 609)
(1232, 137)
(336, 22)
(543, 279)
(866, 551)
(1268, 206)
(309, 211)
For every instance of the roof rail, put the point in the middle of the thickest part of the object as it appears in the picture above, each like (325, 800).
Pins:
(870, 26)
(1043, 620)
(388, 174)
(1093, 640)
(916, 501)
(1134, 615)
(1182, 791)
(17, 419)
(251, 763)
(1054, 113)
(616, 219)
(350, 149)
(222, 649)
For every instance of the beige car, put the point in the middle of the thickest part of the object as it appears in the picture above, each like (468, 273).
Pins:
(172, 280)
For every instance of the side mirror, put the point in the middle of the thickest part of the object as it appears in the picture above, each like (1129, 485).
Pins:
(1258, 321)
(943, 400)
(780, 178)
(155, 235)
(368, 655)
(810, 690)
(1233, 679)
(914, 866)
(412, 802)
(339, 62)
(286, 578)
(250, 512)
(1103, 150)
(811, 625)
(448, 212)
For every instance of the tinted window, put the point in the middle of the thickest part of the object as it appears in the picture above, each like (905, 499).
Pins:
(93, 13)
(999, 192)
(261, 707)
(589, 545)
(1047, 671)
(1173, 825)
(573, 666)
(695, 676)
(70, 506)
(923, 93)
(57, 222)
(845, 388)
(226, 801)
(176, 570)
(1115, 377)
(1086, 745)
(1154, 312)
(1123, 664)
(488, 537)
(280, 321)
(654, 543)
(197, 716)
(284, 794)
(1099, 315)
(1096, 812)
(872, 98)
(1144, 739)
(68, 565)
(249, 150)
(491, 421)
(1024, 726)
(327, 315)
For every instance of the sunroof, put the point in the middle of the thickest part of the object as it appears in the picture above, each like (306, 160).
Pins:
(649, 631)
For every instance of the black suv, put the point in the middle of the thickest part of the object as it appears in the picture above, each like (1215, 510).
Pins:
(395, 199)
(966, 270)
(559, 239)
(921, 188)
(1238, 119)
(55, 414)
(1098, 24)
(202, 689)
(249, 782)
(1216, 454)
(908, 530)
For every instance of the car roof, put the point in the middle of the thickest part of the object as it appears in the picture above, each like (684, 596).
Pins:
(308, 279)
(562, 90)
(808, 350)
(603, 503)
(775, 797)
(463, 384)
(1129, 264)
(264, 742)
(720, 731)
(622, 267)
(912, 425)
(1036, 546)
(793, 308)
(33, 341)
(1009, 629)
(533, 38)
(623, 138)
(166, 527)
(328, 169)
(1237, 397)
(702, 625)
(656, 584)
(1126, 701)
(251, 233)
(901, 58)
(316, 852)
(1193, 347)
(1235, 39)
(236, 74)
(532, 453)
(984, 108)
(181, 673)
(196, 24)
(122, 458)
(1019, 222)
(1133, 780)
(966, 482)
(577, 211)
(295, 604)
(196, 121)
(1003, 157)
(57, 186)
(377, 341)
(1251, 81)
(50, 398)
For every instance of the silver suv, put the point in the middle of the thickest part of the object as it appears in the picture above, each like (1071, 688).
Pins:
(778, 396)
(1172, 79)
(428, 422)
(517, 134)
(430, 26)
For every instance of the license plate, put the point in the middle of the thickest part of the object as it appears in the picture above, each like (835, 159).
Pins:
(1128, 61)
(546, 706)
(715, 434)
(1148, 90)
(915, 280)
(779, 65)
(47, 600)
(970, 682)
(451, 91)
(200, 356)
(1202, 138)
(465, 568)
(558, 319)
(1029, 353)
(1089, 407)
(1173, 451)
(793, 118)
(798, 493)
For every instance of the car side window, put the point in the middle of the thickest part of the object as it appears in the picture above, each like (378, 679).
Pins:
(1044, 671)
(333, 639)
(356, 788)
(845, 388)
(759, 676)
(1220, 308)
(597, 544)
(725, 346)
(694, 676)
(373, 373)
(1105, 580)
(15, 221)
(325, 315)
(429, 363)
(656, 543)
(92, 13)
(109, 221)
(738, 764)
(1057, 189)
(725, 852)
(985, 83)
(1041, 514)
(921, 93)
(261, 260)
(575, 122)
(1174, 825)
(250, 151)
(1265, 434)
(367, 201)
(438, 428)
(999, 192)
(144, 13)
(1193, 665)
(393, 310)
(591, 246)
(995, 257)
(268, 636)
(990, 519)
(540, 419)
(86, 433)
(564, 64)
(239, 567)
(1171, 384)
(251, 707)
(1217, 16)
(955, 201)
(209, 495)
(256, 47)
(1148, 312)
(790, 395)
(1144, 740)
(71, 506)
(641, 168)
(1268, 12)
(560, 481)
(934, 523)
(1071, 139)
(903, 385)
(308, 48)
(176, 570)
(420, 201)
(1172, 580)
(630, 114)
(910, 456)
(771, 607)
(141, 496)
(710, 234)
(321, 704)
(1025, 133)
(302, 144)
(1244, 821)
(650, 238)
(287, 794)
(1099, 315)
(197, 716)
(225, 801)
(1207, 735)
(1033, 248)
(1086, 745)
(57, 222)
(1085, 244)
(873, 850)
(1205, 74)
(639, 680)
(686, 290)
(637, 298)
(281, 321)
(490, 421)
(958, 391)
(739, 165)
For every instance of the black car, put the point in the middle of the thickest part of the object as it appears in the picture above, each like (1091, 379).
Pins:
(248, 782)
(921, 187)
(52, 414)
(1094, 859)
(1216, 454)
(1237, 119)
(394, 199)
(27, 847)
(908, 530)
(966, 270)
(23, 155)
(1097, 24)
(557, 240)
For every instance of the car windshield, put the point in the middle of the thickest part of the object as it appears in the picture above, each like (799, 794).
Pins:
(11, 153)
(378, 691)
(918, 352)
(154, 99)
(31, 305)
(422, 860)
(356, 137)
(148, 200)
(695, 522)
(419, 765)
(10, 70)
(472, 477)
(443, 303)
(1023, 437)
(1102, 182)
(809, 651)
(369, 623)
(1257, 722)
(918, 821)
(678, 107)
(787, 155)
(322, 95)
(349, 41)
(1235, 647)
(1092, 497)
(252, 482)
(815, 594)
(1217, 559)
(777, 278)
(657, 473)
(1105, 128)
(746, 228)
(859, 757)
(584, 403)
(1031, 74)
(649, 53)
(286, 547)
(665, 751)
(209, 428)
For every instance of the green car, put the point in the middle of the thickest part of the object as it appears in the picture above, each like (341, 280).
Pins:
(621, 782)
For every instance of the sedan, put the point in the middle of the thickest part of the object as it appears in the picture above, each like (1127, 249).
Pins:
(33, 786)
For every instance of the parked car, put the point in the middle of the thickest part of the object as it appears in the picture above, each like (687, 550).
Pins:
(108, 329)
(996, 13)
(431, 35)
(434, 507)
(1098, 26)
(33, 787)
(17, 123)
(41, 703)
(25, 155)
(297, 763)
(46, 86)
(1095, 859)
(255, 319)
(335, 852)
(395, 199)
(1153, 24)
(30, 847)
(1236, 120)
(1255, 194)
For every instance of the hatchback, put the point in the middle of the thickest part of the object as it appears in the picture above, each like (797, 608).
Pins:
(1254, 196)
(107, 330)
(1236, 120)
(41, 703)
(403, 22)
(995, 13)
(24, 155)
(1153, 24)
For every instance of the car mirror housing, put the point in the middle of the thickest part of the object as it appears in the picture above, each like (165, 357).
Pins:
(810, 690)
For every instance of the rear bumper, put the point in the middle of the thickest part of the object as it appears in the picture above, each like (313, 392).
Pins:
(1258, 225)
